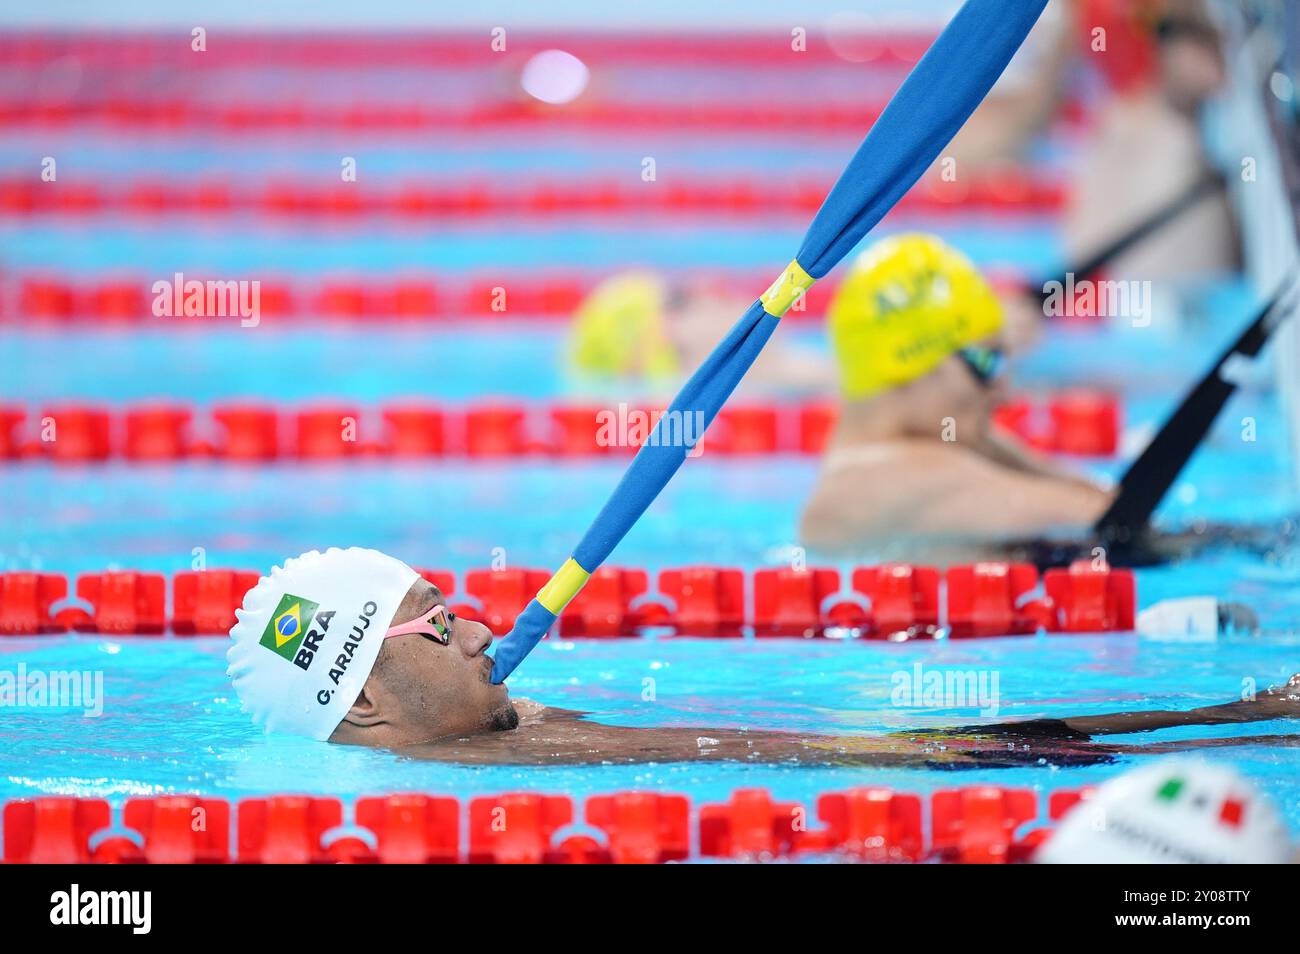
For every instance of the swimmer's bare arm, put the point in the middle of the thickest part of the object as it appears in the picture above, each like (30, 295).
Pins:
(1012, 504)
(1006, 451)
(1279, 702)
(560, 736)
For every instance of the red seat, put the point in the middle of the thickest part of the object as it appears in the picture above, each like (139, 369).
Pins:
(642, 827)
(79, 434)
(984, 598)
(204, 602)
(876, 824)
(788, 602)
(414, 430)
(25, 601)
(1090, 598)
(53, 830)
(904, 598)
(251, 432)
(412, 829)
(709, 600)
(516, 828)
(977, 824)
(181, 829)
(125, 602)
(603, 607)
(750, 825)
(286, 829)
(158, 432)
(503, 594)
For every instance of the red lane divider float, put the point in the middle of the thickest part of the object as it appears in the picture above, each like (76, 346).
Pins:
(1018, 191)
(1081, 422)
(450, 50)
(485, 297)
(251, 433)
(973, 825)
(892, 601)
(130, 111)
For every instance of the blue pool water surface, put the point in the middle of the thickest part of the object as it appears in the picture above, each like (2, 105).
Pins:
(170, 721)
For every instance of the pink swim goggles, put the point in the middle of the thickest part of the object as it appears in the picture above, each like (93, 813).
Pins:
(435, 625)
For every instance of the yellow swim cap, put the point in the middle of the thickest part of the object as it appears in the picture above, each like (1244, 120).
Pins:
(619, 329)
(908, 303)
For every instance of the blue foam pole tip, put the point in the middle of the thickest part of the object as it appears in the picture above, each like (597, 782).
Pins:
(531, 625)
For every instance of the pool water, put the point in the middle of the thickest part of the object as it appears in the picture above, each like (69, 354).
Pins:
(170, 721)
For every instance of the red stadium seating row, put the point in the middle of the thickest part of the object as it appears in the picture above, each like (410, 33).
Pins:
(76, 434)
(1018, 191)
(891, 601)
(971, 825)
(505, 297)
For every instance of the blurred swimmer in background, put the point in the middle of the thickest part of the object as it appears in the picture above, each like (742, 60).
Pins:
(1162, 68)
(915, 468)
(640, 330)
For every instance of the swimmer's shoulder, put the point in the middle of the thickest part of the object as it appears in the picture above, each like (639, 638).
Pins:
(535, 713)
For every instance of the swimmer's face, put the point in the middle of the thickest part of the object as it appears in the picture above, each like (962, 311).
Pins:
(960, 394)
(422, 690)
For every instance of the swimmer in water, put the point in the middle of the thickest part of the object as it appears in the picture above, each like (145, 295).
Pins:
(638, 329)
(353, 646)
(916, 469)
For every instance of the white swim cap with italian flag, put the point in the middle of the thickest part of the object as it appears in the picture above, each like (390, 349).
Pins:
(308, 635)
(1174, 811)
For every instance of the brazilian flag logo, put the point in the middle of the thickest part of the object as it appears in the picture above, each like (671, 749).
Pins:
(289, 623)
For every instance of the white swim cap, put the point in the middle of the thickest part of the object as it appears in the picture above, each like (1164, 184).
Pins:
(1175, 811)
(308, 635)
